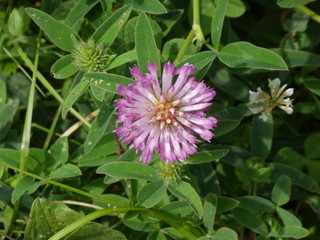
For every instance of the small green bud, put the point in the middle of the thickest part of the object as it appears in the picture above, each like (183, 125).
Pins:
(90, 56)
(170, 172)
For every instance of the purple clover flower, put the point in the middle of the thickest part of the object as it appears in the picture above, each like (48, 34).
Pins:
(164, 116)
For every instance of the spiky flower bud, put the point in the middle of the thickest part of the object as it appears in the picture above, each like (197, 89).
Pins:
(170, 172)
(90, 56)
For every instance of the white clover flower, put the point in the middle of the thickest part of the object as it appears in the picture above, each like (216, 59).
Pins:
(264, 103)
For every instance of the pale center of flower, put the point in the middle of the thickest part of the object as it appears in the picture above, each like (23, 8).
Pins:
(166, 112)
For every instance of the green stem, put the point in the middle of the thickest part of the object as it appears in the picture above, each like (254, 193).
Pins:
(242, 233)
(28, 120)
(14, 216)
(58, 184)
(53, 126)
(211, 48)
(196, 24)
(196, 31)
(254, 189)
(309, 12)
(178, 223)
(8, 11)
(26, 135)
(35, 125)
(88, 218)
(108, 211)
(181, 224)
(15, 231)
(184, 47)
(22, 69)
(196, 12)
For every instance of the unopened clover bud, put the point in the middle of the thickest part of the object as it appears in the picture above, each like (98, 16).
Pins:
(288, 92)
(90, 56)
(287, 109)
(274, 86)
(170, 172)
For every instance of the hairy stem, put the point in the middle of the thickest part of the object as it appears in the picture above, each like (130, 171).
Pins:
(196, 24)
(196, 32)
(184, 47)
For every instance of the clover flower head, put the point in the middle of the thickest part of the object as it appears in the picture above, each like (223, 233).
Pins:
(164, 115)
(264, 103)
